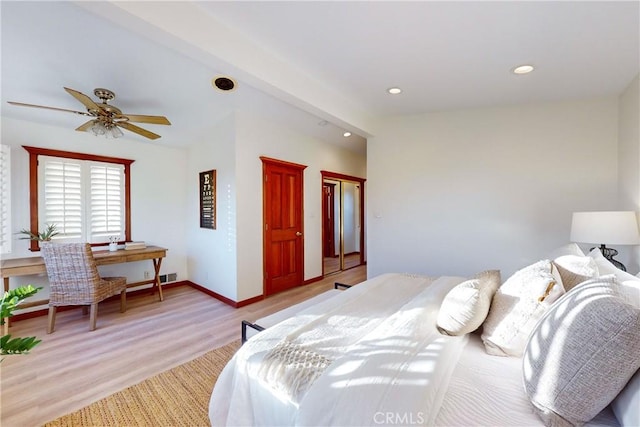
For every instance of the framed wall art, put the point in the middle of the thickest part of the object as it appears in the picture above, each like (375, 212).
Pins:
(208, 199)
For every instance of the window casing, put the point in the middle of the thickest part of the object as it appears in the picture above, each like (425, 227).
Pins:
(86, 196)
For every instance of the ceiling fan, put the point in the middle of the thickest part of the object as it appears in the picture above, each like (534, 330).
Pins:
(107, 118)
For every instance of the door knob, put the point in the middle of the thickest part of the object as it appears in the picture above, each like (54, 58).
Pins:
(298, 233)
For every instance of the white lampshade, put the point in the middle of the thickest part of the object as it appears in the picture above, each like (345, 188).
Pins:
(608, 228)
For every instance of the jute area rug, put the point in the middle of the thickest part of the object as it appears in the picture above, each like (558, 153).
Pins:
(177, 397)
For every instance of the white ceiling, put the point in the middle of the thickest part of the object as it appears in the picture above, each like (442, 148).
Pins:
(303, 62)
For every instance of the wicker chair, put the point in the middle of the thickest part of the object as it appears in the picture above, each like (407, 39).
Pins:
(74, 280)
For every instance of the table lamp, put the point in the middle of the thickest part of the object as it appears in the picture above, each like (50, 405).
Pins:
(606, 228)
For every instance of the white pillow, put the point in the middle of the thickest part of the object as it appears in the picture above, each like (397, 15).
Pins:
(517, 306)
(465, 307)
(630, 283)
(575, 269)
(582, 353)
(606, 267)
(568, 249)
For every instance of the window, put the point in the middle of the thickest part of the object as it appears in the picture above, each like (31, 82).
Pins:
(5, 199)
(84, 199)
(85, 196)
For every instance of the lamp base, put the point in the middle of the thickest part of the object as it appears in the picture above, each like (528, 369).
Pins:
(609, 253)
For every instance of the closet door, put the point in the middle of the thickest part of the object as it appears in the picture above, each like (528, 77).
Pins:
(342, 222)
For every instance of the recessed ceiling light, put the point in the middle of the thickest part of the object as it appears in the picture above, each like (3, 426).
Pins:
(323, 123)
(346, 134)
(394, 90)
(523, 69)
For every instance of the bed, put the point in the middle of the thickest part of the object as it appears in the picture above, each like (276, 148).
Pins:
(381, 353)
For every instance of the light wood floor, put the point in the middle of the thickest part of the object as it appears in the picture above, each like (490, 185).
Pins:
(332, 264)
(73, 367)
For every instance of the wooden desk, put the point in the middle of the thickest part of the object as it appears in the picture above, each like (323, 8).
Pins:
(35, 265)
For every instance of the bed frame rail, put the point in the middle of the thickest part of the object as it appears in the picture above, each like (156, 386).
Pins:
(246, 323)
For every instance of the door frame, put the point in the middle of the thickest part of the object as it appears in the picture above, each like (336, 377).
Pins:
(342, 177)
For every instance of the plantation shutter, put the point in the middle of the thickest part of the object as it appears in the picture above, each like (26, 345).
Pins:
(62, 196)
(5, 199)
(106, 211)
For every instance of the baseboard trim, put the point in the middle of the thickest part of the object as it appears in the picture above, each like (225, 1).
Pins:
(312, 280)
(45, 311)
(232, 303)
(238, 304)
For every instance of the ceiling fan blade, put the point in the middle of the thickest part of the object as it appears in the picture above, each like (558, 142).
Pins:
(156, 120)
(138, 130)
(22, 104)
(88, 102)
(86, 126)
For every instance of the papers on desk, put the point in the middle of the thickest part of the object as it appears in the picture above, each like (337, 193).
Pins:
(128, 246)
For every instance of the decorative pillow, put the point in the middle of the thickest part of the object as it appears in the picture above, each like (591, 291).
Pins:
(582, 353)
(606, 267)
(466, 306)
(568, 249)
(575, 269)
(517, 306)
(630, 283)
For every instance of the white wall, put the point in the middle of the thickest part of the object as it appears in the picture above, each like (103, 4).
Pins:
(458, 192)
(213, 253)
(629, 158)
(158, 202)
(257, 137)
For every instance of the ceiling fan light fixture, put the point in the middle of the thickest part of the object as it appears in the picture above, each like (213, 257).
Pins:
(109, 130)
(115, 132)
(105, 115)
(98, 128)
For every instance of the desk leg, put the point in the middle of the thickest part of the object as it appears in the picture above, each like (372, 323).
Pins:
(156, 266)
(6, 320)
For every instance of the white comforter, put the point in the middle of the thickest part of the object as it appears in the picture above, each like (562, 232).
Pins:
(382, 361)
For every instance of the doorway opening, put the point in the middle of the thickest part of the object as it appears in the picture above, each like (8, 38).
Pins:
(342, 222)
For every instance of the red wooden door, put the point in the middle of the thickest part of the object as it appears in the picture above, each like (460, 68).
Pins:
(283, 225)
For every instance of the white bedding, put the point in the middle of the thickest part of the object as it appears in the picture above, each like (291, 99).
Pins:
(386, 353)
(389, 366)
(487, 390)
